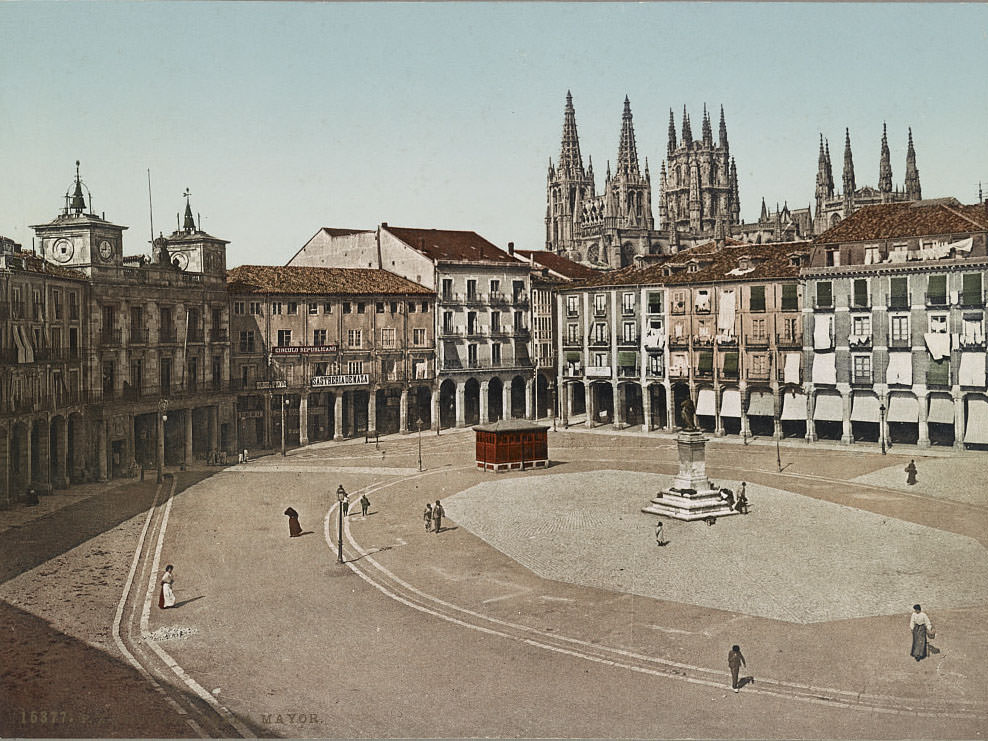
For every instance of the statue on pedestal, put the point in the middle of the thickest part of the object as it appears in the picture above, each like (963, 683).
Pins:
(687, 411)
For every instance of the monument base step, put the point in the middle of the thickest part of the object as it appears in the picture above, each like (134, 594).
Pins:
(697, 506)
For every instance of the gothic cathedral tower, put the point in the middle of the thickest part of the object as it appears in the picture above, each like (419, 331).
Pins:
(567, 186)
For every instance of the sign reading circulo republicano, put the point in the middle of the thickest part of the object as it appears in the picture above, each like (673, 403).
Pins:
(302, 349)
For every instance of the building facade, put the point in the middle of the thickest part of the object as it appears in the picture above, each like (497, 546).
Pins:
(329, 353)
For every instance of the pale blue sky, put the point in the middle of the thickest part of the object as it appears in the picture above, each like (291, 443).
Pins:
(282, 118)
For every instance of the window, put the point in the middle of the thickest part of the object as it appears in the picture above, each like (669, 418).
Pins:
(471, 289)
(347, 308)
(938, 323)
(655, 302)
(313, 309)
(790, 297)
(254, 307)
(472, 322)
(447, 289)
(496, 353)
(573, 334)
(472, 356)
(860, 292)
(862, 368)
(379, 307)
(705, 361)
(936, 290)
(938, 372)
(628, 304)
(293, 307)
(319, 337)
(411, 307)
(238, 307)
(495, 287)
(759, 365)
(970, 291)
(448, 322)
(360, 307)
(327, 308)
(655, 364)
(972, 327)
(730, 368)
(600, 304)
(600, 333)
(702, 304)
(600, 359)
(757, 300)
(284, 337)
(276, 307)
(355, 367)
(899, 293)
(319, 369)
(394, 307)
(824, 294)
(900, 328)
(861, 326)
(518, 289)
(758, 330)
(629, 332)
(388, 337)
(247, 341)
(833, 258)
(572, 305)
(56, 297)
(519, 321)
(354, 338)
(495, 322)
(418, 337)
(425, 307)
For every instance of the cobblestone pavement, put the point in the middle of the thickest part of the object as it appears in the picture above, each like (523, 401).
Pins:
(961, 479)
(792, 558)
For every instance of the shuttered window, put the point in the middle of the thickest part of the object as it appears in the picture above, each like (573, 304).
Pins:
(971, 291)
(824, 294)
(705, 361)
(730, 364)
(860, 292)
(757, 301)
(790, 297)
(938, 373)
(899, 293)
(936, 289)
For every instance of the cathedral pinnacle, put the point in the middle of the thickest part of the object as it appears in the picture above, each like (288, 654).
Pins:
(78, 204)
(722, 134)
(885, 165)
(672, 133)
(708, 137)
(849, 186)
(913, 190)
(687, 133)
(627, 159)
(570, 160)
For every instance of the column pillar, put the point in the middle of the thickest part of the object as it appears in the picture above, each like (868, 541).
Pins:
(646, 408)
(958, 421)
(303, 418)
(924, 427)
(403, 412)
(268, 420)
(591, 404)
(100, 451)
(745, 427)
(506, 400)
(44, 455)
(214, 428)
(372, 410)
(529, 400)
(61, 454)
(436, 419)
(847, 437)
(461, 403)
(352, 414)
(670, 407)
(810, 410)
(337, 431)
(484, 388)
(617, 395)
(777, 405)
(160, 444)
(718, 422)
(188, 437)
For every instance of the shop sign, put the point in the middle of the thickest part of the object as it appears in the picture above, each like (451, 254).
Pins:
(302, 349)
(361, 379)
(271, 384)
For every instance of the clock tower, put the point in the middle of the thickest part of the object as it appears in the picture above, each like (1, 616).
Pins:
(78, 238)
(194, 251)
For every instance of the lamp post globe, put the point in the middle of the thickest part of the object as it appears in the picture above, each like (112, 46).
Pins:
(881, 426)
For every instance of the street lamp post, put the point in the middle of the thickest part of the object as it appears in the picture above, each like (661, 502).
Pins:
(160, 429)
(778, 454)
(284, 405)
(881, 426)
(418, 424)
(341, 497)
(552, 393)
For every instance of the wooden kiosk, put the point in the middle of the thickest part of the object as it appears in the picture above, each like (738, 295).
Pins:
(512, 444)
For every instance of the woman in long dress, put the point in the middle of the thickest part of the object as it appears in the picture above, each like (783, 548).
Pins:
(167, 597)
(922, 629)
(294, 529)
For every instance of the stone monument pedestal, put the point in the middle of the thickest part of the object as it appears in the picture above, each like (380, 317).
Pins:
(691, 496)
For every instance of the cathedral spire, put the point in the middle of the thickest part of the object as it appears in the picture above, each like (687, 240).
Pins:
(672, 133)
(627, 159)
(708, 137)
(78, 204)
(849, 186)
(913, 190)
(722, 135)
(830, 170)
(764, 214)
(735, 198)
(570, 160)
(189, 224)
(885, 166)
(687, 133)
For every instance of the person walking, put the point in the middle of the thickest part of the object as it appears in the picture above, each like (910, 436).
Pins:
(437, 515)
(735, 660)
(427, 516)
(658, 533)
(911, 473)
(742, 503)
(294, 529)
(922, 628)
(345, 506)
(364, 505)
(167, 596)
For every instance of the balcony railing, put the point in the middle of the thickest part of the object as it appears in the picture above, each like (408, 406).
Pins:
(569, 341)
(626, 340)
(789, 341)
(572, 371)
(139, 335)
(731, 341)
(521, 331)
(757, 375)
(971, 300)
(936, 299)
(16, 309)
(194, 335)
(817, 306)
(475, 332)
(496, 297)
(703, 341)
(654, 372)
(521, 299)
(968, 342)
(627, 311)
(109, 338)
(474, 297)
(704, 373)
(860, 307)
(167, 336)
(898, 302)
(678, 371)
(859, 341)
(600, 311)
(600, 341)
(628, 371)
(758, 340)
(679, 342)
(894, 341)
(862, 379)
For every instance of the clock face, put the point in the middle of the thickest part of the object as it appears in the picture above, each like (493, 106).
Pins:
(62, 251)
(181, 260)
(105, 250)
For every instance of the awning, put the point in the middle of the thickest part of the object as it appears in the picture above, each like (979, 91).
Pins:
(731, 363)
(794, 406)
(730, 403)
(705, 403)
(19, 342)
(822, 331)
(941, 410)
(627, 359)
(864, 408)
(761, 404)
(972, 370)
(790, 372)
(903, 408)
(900, 368)
(976, 430)
(573, 357)
(705, 360)
(825, 367)
(829, 408)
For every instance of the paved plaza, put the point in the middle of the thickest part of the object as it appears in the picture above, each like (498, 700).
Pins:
(792, 558)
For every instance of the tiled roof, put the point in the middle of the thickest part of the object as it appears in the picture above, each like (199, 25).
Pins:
(909, 219)
(562, 265)
(769, 262)
(300, 279)
(448, 245)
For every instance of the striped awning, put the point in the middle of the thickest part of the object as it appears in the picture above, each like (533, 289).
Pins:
(864, 408)
(941, 410)
(828, 408)
(730, 403)
(976, 429)
(706, 403)
(903, 408)
(794, 406)
(761, 404)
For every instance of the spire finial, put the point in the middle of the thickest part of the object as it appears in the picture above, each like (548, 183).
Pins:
(78, 203)
(189, 224)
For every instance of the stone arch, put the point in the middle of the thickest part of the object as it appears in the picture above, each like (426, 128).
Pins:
(447, 403)
(659, 409)
(420, 407)
(20, 460)
(902, 417)
(495, 399)
(57, 444)
(40, 455)
(517, 397)
(545, 401)
(827, 417)
(471, 401)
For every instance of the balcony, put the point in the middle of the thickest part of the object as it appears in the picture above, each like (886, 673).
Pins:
(632, 340)
(218, 335)
(898, 302)
(731, 341)
(969, 342)
(758, 340)
(475, 332)
(703, 373)
(681, 343)
(627, 311)
(451, 331)
(860, 307)
(139, 335)
(654, 371)
(823, 306)
(703, 341)
(497, 298)
(167, 336)
(109, 338)
(448, 297)
(936, 299)
(859, 342)
(862, 379)
(573, 341)
(600, 341)
(73, 312)
(194, 335)
(474, 297)
(628, 371)
(599, 312)
(500, 332)
(521, 332)
(521, 299)
(971, 300)
(598, 371)
(899, 342)
(678, 307)
(789, 341)
(781, 375)
(757, 375)
(573, 371)
(678, 371)
(16, 309)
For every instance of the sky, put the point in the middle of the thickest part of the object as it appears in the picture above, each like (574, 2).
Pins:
(282, 118)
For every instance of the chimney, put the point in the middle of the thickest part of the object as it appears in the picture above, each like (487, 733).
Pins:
(511, 248)
(384, 225)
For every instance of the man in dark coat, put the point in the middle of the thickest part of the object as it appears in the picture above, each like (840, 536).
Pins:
(735, 660)
(437, 515)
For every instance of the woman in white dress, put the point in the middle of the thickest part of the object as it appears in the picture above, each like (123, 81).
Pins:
(922, 630)
(167, 597)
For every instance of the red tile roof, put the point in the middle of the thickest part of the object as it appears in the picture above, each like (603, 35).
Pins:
(769, 262)
(909, 219)
(451, 246)
(559, 264)
(300, 279)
